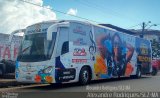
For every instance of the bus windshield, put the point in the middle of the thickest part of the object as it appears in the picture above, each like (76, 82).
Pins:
(36, 47)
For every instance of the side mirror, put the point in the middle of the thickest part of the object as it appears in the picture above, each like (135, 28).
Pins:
(50, 30)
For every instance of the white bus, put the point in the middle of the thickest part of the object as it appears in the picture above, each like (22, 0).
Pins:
(74, 51)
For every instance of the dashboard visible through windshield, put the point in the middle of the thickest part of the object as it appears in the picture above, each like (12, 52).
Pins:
(35, 47)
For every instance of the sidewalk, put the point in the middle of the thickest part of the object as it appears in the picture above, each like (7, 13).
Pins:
(8, 81)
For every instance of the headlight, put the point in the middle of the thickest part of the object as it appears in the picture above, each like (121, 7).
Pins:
(48, 69)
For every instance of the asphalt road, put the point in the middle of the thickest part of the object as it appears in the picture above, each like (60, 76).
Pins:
(145, 84)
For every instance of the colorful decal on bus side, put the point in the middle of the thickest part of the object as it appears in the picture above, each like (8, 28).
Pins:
(17, 70)
(114, 57)
(79, 52)
(43, 76)
(92, 48)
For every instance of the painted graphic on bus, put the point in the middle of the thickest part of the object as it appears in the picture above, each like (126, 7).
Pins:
(144, 54)
(114, 56)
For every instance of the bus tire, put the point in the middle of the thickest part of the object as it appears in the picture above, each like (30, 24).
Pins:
(138, 73)
(84, 76)
(154, 71)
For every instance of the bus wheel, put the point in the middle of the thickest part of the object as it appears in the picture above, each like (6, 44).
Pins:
(84, 76)
(138, 73)
(154, 71)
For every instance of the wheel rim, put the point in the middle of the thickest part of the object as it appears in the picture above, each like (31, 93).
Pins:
(85, 76)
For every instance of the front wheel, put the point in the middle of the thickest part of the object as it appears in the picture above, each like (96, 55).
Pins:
(84, 76)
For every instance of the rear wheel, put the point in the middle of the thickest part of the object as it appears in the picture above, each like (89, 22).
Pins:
(85, 76)
(154, 71)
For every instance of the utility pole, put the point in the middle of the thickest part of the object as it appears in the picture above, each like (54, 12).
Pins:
(144, 25)
(143, 28)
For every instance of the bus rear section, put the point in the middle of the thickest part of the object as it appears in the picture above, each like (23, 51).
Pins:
(144, 55)
(120, 55)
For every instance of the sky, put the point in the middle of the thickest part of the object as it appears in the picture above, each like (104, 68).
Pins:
(128, 14)
(123, 13)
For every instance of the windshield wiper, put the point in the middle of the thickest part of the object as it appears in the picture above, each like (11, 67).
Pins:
(26, 49)
(21, 56)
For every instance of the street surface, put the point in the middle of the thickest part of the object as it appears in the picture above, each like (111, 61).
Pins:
(145, 84)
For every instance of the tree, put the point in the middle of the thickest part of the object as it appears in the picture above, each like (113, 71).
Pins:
(155, 48)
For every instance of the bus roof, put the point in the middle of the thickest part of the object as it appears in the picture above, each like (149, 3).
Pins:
(82, 22)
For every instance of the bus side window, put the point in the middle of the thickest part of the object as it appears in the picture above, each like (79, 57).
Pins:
(65, 47)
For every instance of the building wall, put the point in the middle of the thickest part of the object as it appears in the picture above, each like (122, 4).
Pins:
(151, 37)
